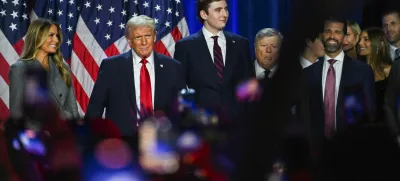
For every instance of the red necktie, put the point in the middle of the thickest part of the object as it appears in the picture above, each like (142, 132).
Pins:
(329, 100)
(218, 60)
(146, 103)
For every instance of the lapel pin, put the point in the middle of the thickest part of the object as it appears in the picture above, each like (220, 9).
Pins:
(233, 41)
(161, 65)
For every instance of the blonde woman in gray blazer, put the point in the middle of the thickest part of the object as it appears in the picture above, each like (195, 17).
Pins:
(42, 50)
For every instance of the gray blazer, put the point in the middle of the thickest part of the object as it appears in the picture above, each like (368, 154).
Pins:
(63, 96)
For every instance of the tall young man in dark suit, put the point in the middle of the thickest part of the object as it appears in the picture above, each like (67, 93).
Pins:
(214, 61)
(137, 82)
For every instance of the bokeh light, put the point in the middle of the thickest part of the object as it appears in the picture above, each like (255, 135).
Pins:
(113, 153)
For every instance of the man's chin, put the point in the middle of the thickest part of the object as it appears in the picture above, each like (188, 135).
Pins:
(332, 49)
(394, 41)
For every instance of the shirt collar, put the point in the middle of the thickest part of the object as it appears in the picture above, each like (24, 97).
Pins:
(392, 48)
(305, 63)
(137, 59)
(208, 34)
(260, 70)
(273, 69)
(339, 57)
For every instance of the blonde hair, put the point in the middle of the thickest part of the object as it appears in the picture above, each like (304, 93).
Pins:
(139, 21)
(36, 36)
(354, 27)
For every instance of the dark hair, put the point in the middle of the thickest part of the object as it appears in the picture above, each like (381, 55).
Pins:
(337, 20)
(380, 52)
(312, 35)
(203, 5)
(391, 11)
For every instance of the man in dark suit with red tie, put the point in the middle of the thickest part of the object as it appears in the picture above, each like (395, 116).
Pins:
(137, 82)
(214, 61)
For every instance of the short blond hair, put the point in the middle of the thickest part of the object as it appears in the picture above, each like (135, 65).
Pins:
(138, 21)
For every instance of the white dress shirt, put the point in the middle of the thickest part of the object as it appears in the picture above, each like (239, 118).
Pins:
(136, 71)
(260, 74)
(305, 63)
(210, 42)
(392, 51)
(338, 66)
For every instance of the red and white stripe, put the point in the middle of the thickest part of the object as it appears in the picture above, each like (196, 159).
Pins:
(9, 54)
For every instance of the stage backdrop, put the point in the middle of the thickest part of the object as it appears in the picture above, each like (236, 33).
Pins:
(94, 29)
(247, 17)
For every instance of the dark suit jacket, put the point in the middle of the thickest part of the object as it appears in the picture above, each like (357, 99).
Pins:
(276, 126)
(115, 90)
(392, 99)
(200, 74)
(63, 96)
(357, 81)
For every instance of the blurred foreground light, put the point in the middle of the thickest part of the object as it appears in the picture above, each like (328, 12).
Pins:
(123, 177)
(113, 153)
(187, 91)
(188, 141)
(116, 176)
(31, 142)
(160, 163)
(156, 156)
(163, 124)
(249, 91)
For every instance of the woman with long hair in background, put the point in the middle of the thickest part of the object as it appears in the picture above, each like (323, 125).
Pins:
(374, 47)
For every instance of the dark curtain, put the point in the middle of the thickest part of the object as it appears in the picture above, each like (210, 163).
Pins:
(247, 17)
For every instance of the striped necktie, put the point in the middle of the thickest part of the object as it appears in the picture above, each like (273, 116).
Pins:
(218, 60)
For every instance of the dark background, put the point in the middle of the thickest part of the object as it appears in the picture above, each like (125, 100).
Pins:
(247, 17)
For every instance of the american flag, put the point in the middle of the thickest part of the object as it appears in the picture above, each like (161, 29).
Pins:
(92, 30)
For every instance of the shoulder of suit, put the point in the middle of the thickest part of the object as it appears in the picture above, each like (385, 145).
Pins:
(235, 36)
(309, 68)
(18, 64)
(115, 58)
(358, 63)
(189, 38)
(314, 65)
(165, 58)
(66, 65)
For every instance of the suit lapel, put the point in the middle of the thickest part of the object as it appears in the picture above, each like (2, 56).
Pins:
(207, 60)
(159, 79)
(318, 78)
(130, 78)
(53, 75)
(345, 74)
(343, 81)
(229, 57)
